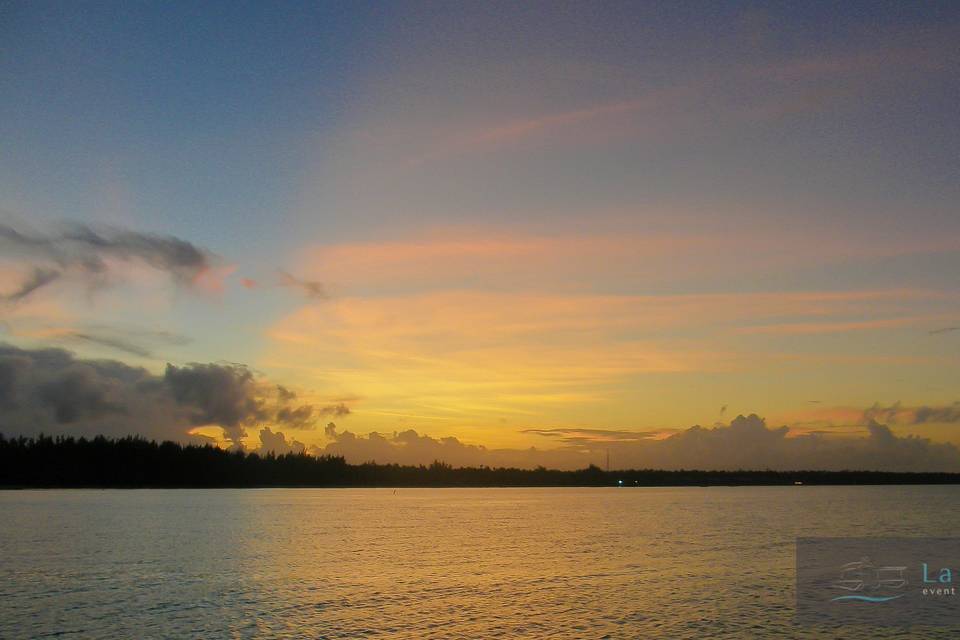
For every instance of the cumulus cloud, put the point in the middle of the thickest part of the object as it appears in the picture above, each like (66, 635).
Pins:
(745, 443)
(51, 391)
(276, 442)
(231, 396)
(221, 394)
(82, 252)
(77, 393)
(410, 447)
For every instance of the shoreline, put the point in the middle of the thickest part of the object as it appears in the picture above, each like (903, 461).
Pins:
(472, 486)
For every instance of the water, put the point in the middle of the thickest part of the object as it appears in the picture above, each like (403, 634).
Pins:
(433, 563)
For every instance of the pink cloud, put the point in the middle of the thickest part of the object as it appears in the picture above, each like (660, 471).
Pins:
(517, 259)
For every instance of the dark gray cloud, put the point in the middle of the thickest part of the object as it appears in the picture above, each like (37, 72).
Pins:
(229, 395)
(51, 391)
(301, 417)
(304, 416)
(898, 413)
(221, 394)
(310, 288)
(943, 414)
(9, 370)
(339, 410)
(78, 392)
(879, 413)
(944, 330)
(81, 251)
(181, 259)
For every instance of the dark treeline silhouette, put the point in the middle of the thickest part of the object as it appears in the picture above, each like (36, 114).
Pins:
(136, 462)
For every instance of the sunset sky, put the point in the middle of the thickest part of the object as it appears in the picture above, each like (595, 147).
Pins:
(566, 226)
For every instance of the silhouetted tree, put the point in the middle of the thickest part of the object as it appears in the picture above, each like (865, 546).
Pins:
(133, 461)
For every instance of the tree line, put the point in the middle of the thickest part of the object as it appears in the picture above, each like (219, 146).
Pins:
(134, 461)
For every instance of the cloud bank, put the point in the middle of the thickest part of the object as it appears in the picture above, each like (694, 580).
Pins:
(51, 391)
(745, 443)
(54, 392)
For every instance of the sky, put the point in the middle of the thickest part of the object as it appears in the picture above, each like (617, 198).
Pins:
(505, 233)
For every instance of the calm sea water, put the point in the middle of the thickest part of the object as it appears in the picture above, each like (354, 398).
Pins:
(433, 563)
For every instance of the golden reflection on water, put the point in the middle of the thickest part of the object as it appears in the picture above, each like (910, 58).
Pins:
(433, 563)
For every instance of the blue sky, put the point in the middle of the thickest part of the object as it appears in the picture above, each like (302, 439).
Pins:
(523, 215)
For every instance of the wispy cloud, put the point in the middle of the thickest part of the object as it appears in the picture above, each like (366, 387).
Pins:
(134, 341)
(38, 277)
(731, 92)
(513, 258)
(583, 435)
(311, 288)
(492, 136)
(79, 251)
(809, 328)
(935, 332)
(898, 413)
(482, 354)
